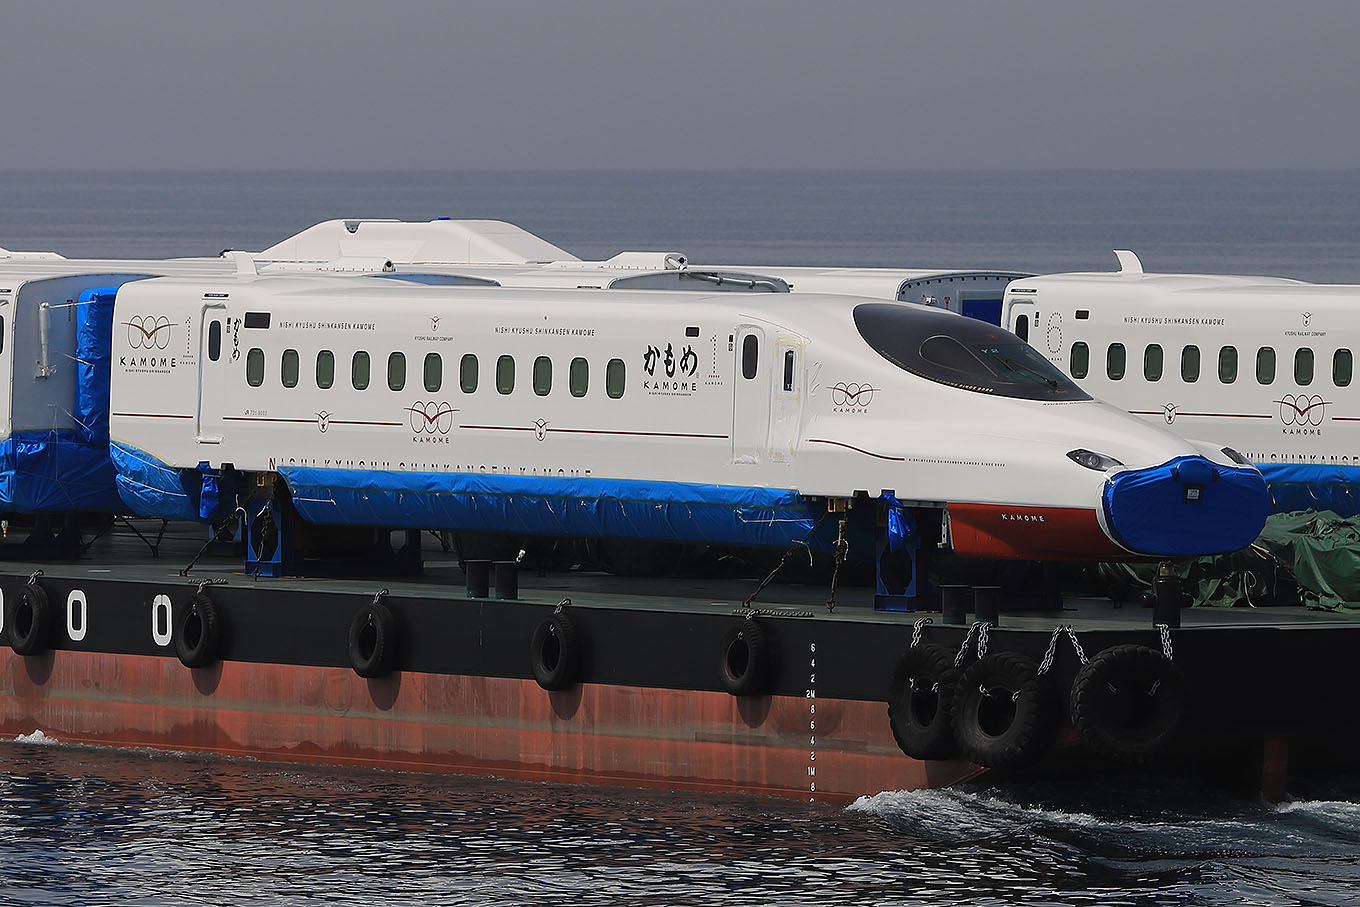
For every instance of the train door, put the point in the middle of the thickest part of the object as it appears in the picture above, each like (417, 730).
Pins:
(6, 359)
(212, 370)
(786, 399)
(750, 395)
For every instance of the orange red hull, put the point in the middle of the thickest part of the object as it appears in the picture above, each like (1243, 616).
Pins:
(810, 748)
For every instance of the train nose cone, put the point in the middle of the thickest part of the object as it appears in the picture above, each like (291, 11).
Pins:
(1189, 506)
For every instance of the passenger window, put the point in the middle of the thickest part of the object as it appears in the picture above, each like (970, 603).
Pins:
(1152, 362)
(542, 376)
(1265, 365)
(1022, 327)
(396, 371)
(1341, 368)
(1081, 360)
(750, 355)
(288, 371)
(255, 367)
(1303, 366)
(614, 376)
(434, 372)
(1227, 364)
(214, 340)
(1114, 361)
(789, 360)
(325, 369)
(2, 333)
(467, 373)
(1190, 364)
(358, 371)
(505, 374)
(578, 377)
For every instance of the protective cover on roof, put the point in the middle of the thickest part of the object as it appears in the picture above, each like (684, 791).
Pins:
(569, 506)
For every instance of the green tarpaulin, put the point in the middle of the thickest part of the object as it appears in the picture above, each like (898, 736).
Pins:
(1307, 557)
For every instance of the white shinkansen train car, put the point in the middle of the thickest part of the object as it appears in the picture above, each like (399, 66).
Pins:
(732, 418)
(1264, 365)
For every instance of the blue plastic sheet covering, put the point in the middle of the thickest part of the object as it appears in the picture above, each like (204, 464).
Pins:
(901, 527)
(53, 472)
(1150, 511)
(1313, 486)
(69, 469)
(152, 488)
(570, 506)
(94, 338)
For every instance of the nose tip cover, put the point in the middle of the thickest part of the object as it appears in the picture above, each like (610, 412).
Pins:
(1188, 506)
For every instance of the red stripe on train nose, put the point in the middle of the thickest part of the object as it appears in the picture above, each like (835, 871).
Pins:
(1030, 533)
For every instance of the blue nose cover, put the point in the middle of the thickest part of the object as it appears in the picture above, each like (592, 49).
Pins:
(1188, 506)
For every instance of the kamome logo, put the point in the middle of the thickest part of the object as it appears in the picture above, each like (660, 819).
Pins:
(431, 418)
(852, 394)
(1169, 411)
(149, 332)
(1302, 409)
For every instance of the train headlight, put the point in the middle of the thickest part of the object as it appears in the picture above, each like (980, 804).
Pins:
(1236, 457)
(1092, 460)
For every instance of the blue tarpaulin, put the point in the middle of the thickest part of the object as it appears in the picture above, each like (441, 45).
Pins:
(53, 472)
(1313, 486)
(152, 488)
(564, 505)
(69, 469)
(1188, 506)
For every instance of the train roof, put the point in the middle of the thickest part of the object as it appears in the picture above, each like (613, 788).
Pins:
(329, 289)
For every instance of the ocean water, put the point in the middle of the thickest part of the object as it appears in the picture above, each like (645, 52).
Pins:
(90, 826)
(1293, 224)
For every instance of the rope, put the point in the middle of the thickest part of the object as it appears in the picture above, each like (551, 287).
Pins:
(746, 603)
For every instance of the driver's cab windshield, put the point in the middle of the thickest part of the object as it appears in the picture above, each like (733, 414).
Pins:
(961, 352)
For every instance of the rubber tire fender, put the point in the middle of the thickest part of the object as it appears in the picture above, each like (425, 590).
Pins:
(1127, 702)
(31, 609)
(744, 662)
(555, 652)
(373, 640)
(198, 632)
(1004, 713)
(921, 702)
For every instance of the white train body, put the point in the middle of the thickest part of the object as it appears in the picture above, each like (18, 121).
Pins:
(719, 417)
(1263, 365)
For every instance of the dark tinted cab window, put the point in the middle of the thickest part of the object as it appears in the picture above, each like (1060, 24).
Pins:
(961, 352)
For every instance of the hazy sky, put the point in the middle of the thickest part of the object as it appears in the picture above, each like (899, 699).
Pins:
(357, 84)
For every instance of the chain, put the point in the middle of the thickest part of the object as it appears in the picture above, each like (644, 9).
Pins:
(33, 577)
(982, 638)
(1166, 641)
(379, 596)
(1072, 635)
(967, 641)
(916, 630)
(1047, 664)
